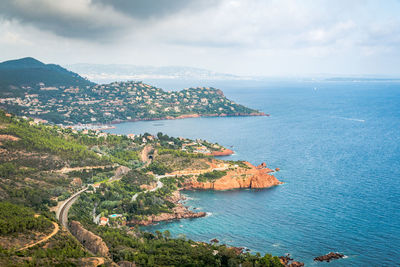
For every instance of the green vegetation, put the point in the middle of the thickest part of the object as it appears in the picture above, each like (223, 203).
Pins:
(116, 198)
(158, 168)
(240, 163)
(93, 175)
(8, 169)
(61, 250)
(30, 72)
(159, 249)
(42, 138)
(210, 176)
(52, 93)
(168, 160)
(180, 153)
(31, 158)
(19, 219)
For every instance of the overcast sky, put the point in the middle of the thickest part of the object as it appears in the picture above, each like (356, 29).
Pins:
(245, 37)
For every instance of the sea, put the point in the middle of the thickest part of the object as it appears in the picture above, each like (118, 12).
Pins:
(337, 144)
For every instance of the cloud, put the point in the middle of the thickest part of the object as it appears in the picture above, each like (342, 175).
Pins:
(92, 20)
(73, 18)
(239, 36)
(156, 9)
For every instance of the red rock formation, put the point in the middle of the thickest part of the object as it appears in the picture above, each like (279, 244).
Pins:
(262, 166)
(121, 170)
(238, 178)
(296, 264)
(330, 256)
(225, 152)
(186, 116)
(148, 186)
(287, 261)
(192, 116)
(90, 241)
(76, 182)
(178, 212)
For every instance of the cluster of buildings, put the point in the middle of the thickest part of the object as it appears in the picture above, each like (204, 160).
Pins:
(118, 101)
(105, 221)
(199, 146)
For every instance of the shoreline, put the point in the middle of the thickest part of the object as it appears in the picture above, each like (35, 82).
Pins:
(180, 211)
(186, 116)
(109, 125)
(260, 178)
(180, 199)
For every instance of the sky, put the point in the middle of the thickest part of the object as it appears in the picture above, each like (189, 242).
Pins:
(242, 37)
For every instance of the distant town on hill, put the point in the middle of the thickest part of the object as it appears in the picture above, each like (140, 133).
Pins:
(49, 92)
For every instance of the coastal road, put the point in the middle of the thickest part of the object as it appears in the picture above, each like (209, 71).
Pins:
(160, 184)
(67, 169)
(62, 212)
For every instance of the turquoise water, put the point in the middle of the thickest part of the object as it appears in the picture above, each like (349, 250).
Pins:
(338, 148)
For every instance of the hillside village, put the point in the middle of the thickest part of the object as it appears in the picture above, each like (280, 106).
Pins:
(118, 101)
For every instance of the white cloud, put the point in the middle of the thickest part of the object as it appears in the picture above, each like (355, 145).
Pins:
(239, 36)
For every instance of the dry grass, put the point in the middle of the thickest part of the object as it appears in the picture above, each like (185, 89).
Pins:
(7, 137)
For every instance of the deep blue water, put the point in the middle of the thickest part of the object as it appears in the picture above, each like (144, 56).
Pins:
(338, 148)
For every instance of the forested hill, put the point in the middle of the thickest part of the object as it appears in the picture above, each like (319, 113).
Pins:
(29, 72)
(33, 89)
(42, 165)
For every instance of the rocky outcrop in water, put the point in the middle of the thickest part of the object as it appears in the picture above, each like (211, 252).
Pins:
(179, 212)
(287, 261)
(330, 256)
(250, 177)
(89, 240)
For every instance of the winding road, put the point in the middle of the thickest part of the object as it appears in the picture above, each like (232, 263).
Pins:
(55, 231)
(159, 185)
(62, 212)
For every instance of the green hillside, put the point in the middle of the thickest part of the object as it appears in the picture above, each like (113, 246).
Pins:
(41, 165)
(31, 88)
(29, 72)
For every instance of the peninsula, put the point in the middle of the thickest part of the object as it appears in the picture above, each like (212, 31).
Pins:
(56, 95)
(102, 188)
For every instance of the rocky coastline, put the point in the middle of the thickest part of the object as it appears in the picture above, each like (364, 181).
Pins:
(224, 152)
(178, 212)
(251, 177)
(330, 256)
(186, 116)
(287, 261)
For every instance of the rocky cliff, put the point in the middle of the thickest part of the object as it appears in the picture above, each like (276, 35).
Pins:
(178, 212)
(251, 177)
(224, 152)
(89, 240)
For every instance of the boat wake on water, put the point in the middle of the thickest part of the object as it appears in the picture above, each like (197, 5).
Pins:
(348, 119)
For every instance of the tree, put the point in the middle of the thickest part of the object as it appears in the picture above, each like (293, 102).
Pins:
(167, 234)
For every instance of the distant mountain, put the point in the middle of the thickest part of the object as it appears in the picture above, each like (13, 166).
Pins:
(30, 72)
(104, 73)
